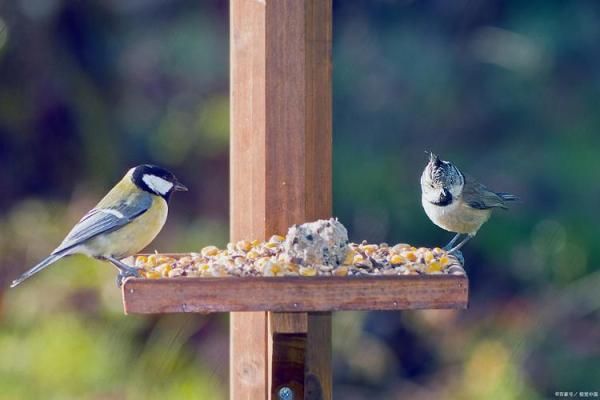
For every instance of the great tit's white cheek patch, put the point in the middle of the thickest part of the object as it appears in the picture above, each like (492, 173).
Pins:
(157, 184)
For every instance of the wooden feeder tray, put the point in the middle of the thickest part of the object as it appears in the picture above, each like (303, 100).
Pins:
(294, 294)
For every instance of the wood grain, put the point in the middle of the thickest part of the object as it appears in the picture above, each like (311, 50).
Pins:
(248, 347)
(280, 130)
(281, 137)
(248, 369)
(318, 141)
(248, 212)
(318, 380)
(293, 294)
(287, 360)
(288, 322)
(287, 352)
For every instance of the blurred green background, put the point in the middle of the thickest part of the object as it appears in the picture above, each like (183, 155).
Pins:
(507, 90)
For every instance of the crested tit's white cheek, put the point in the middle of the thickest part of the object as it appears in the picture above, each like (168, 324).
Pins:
(429, 194)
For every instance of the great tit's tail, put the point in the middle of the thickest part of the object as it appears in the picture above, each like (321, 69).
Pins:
(51, 259)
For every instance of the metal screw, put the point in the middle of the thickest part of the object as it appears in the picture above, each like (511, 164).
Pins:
(285, 393)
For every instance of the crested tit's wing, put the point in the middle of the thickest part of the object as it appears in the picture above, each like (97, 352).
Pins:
(476, 195)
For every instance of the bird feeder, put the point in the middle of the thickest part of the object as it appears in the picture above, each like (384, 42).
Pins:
(281, 161)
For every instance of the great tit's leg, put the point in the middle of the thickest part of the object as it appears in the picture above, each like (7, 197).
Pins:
(124, 270)
(461, 244)
(451, 243)
(122, 267)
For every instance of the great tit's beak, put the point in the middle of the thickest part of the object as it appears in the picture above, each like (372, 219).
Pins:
(179, 187)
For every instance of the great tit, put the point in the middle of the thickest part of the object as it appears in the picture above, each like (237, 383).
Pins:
(125, 221)
(456, 202)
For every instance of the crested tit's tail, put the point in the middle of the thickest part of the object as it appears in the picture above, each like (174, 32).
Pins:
(508, 196)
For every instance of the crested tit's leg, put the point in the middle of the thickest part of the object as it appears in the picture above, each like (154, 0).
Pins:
(459, 256)
(124, 270)
(461, 244)
(451, 243)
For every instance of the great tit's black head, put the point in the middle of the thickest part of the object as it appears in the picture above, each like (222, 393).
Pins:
(441, 179)
(156, 180)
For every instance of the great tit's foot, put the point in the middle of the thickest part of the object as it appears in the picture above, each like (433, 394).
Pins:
(125, 270)
(459, 256)
(124, 274)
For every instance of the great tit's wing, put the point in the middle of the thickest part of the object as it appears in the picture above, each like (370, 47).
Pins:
(104, 220)
(478, 196)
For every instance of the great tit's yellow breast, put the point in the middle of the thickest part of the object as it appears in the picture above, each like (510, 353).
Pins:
(457, 216)
(135, 236)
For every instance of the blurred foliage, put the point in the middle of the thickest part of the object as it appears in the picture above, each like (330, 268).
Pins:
(505, 89)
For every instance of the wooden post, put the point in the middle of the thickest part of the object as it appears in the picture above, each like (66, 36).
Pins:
(280, 175)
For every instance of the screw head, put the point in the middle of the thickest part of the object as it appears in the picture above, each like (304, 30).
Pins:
(285, 393)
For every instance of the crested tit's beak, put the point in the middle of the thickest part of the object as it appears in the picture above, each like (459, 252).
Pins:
(434, 160)
(179, 187)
